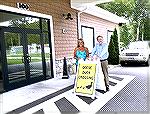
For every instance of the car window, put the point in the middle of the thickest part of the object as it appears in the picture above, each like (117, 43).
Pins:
(138, 45)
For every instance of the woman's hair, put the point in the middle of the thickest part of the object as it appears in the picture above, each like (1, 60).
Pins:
(80, 40)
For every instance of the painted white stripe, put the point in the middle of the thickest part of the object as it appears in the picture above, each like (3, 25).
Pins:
(121, 76)
(77, 102)
(102, 99)
(84, 108)
(22, 96)
(50, 108)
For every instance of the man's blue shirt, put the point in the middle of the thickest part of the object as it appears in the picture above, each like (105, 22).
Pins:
(101, 50)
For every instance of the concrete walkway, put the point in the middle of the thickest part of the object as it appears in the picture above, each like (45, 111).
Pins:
(56, 96)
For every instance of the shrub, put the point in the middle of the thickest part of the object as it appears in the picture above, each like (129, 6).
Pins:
(113, 49)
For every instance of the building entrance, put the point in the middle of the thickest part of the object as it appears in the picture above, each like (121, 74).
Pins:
(25, 54)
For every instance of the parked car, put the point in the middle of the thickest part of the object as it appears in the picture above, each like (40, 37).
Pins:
(138, 51)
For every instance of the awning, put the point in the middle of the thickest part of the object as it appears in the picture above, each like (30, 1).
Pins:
(77, 3)
(90, 8)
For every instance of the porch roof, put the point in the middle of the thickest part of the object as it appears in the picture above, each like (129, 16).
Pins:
(88, 6)
(77, 3)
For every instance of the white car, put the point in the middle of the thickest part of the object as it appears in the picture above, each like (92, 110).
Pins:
(138, 51)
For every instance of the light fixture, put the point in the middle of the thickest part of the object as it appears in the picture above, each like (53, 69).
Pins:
(120, 24)
(67, 16)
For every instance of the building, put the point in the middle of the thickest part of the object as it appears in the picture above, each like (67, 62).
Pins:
(35, 34)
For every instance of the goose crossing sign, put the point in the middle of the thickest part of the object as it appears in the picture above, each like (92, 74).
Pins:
(85, 79)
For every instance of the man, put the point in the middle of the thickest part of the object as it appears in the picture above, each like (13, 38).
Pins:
(101, 50)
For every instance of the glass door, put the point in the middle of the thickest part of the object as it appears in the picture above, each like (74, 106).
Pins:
(1, 77)
(23, 57)
(35, 56)
(15, 55)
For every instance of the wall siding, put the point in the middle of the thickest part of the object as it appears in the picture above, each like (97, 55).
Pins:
(100, 25)
(64, 42)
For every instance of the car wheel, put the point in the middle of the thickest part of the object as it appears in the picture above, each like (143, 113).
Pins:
(122, 63)
(148, 62)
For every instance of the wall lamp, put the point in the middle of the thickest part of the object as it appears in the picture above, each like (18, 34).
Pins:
(121, 24)
(67, 16)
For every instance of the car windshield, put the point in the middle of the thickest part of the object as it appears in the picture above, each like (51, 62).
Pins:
(137, 45)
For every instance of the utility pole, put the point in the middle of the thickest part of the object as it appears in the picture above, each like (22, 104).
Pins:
(138, 29)
(142, 32)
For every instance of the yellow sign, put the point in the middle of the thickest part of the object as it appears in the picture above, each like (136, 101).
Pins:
(85, 79)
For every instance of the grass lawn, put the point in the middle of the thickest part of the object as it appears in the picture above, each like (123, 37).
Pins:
(35, 57)
(19, 61)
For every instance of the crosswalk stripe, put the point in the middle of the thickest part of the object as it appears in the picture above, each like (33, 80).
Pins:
(39, 112)
(101, 99)
(114, 80)
(65, 105)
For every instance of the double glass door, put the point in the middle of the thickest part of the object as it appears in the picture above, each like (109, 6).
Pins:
(23, 57)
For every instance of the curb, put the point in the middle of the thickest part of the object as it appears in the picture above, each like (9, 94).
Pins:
(113, 66)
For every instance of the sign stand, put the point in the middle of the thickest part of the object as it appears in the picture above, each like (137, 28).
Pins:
(85, 82)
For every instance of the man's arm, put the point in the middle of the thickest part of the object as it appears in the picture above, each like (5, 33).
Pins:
(93, 51)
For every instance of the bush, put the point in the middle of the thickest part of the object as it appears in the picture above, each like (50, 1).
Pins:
(113, 49)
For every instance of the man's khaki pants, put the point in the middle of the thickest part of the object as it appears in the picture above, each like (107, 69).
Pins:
(104, 65)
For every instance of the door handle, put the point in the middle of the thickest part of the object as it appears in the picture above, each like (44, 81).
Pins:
(29, 58)
(22, 59)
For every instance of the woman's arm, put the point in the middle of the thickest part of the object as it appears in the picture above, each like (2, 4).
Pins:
(75, 57)
(87, 52)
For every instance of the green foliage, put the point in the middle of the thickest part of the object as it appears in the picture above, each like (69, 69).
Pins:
(113, 49)
(147, 29)
(13, 39)
(121, 8)
(136, 11)
(126, 34)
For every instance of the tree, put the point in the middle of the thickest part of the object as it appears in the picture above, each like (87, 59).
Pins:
(121, 8)
(137, 12)
(113, 49)
(30, 23)
(147, 29)
(139, 15)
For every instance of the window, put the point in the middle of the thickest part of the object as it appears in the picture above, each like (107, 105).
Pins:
(109, 33)
(88, 37)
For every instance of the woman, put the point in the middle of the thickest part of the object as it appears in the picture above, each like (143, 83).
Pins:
(80, 52)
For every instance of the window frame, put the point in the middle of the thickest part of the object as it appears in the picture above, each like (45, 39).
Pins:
(93, 37)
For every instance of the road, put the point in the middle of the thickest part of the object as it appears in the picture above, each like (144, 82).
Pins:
(133, 97)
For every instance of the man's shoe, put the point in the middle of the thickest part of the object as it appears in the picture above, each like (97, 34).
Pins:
(107, 88)
(101, 91)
